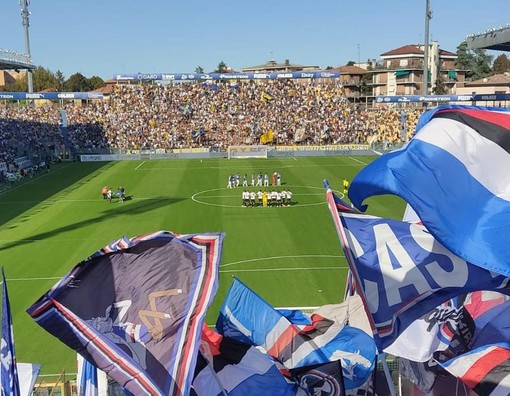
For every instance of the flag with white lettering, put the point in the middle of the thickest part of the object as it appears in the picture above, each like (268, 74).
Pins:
(9, 371)
(433, 332)
(486, 370)
(246, 317)
(454, 174)
(135, 308)
(403, 271)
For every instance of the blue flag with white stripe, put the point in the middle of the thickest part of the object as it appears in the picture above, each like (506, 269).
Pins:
(404, 272)
(246, 317)
(9, 372)
(454, 174)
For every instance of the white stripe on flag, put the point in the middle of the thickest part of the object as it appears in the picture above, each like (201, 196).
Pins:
(468, 146)
(276, 332)
(231, 317)
(460, 366)
(503, 387)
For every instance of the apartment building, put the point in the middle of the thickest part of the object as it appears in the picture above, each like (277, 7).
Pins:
(400, 71)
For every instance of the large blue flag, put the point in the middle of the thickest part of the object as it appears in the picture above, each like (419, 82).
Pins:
(135, 309)
(246, 317)
(9, 372)
(403, 271)
(454, 174)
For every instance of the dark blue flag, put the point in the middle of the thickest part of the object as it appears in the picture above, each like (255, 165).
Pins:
(321, 379)
(403, 271)
(9, 372)
(135, 309)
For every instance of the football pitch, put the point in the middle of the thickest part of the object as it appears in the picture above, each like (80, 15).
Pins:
(290, 255)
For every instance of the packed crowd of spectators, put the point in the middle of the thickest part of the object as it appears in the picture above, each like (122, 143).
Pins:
(28, 138)
(224, 114)
(215, 114)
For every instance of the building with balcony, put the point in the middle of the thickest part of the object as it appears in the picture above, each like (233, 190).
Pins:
(400, 71)
(351, 79)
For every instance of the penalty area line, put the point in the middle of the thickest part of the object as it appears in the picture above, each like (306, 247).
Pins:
(359, 161)
(140, 165)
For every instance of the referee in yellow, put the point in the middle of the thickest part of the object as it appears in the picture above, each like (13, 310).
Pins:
(345, 184)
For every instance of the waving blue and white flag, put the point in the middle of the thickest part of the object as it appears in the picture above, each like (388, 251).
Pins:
(246, 317)
(403, 271)
(9, 372)
(454, 174)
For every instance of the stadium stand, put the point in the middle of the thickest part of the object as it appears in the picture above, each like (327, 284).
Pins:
(219, 115)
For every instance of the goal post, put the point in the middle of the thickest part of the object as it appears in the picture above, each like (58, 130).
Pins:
(256, 151)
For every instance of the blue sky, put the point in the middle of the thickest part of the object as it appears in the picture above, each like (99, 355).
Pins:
(107, 37)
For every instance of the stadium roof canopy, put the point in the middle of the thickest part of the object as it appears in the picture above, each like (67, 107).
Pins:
(12, 60)
(493, 39)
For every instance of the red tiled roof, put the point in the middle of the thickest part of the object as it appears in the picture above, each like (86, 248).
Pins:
(447, 53)
(350, 70)
(406, 49)
(414, 49)
(107, 89)
(497, 79)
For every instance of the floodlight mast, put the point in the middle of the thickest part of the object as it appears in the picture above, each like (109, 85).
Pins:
(428, 17)
(26, 23)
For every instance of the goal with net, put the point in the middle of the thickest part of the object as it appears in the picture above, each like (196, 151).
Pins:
(247, 152)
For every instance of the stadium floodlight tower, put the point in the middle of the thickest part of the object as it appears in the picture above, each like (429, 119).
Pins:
(428, 17)
(26, 23)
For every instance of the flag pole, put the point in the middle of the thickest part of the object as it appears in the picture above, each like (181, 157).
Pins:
(387, 375)
(215, 374)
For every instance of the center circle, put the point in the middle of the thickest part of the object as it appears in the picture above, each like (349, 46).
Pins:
(201, 197)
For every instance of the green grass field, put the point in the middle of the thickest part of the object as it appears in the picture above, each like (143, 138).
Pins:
(289, 255)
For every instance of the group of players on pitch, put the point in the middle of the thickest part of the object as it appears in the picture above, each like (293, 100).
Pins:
(262, 180)
(267, 198)
(108, 194)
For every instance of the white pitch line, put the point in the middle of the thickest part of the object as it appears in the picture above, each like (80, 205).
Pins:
(281, 257)
(255, 167)
(284, 269)
(221, 271)
(357, 160)
(140, 165)
(33, 279)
